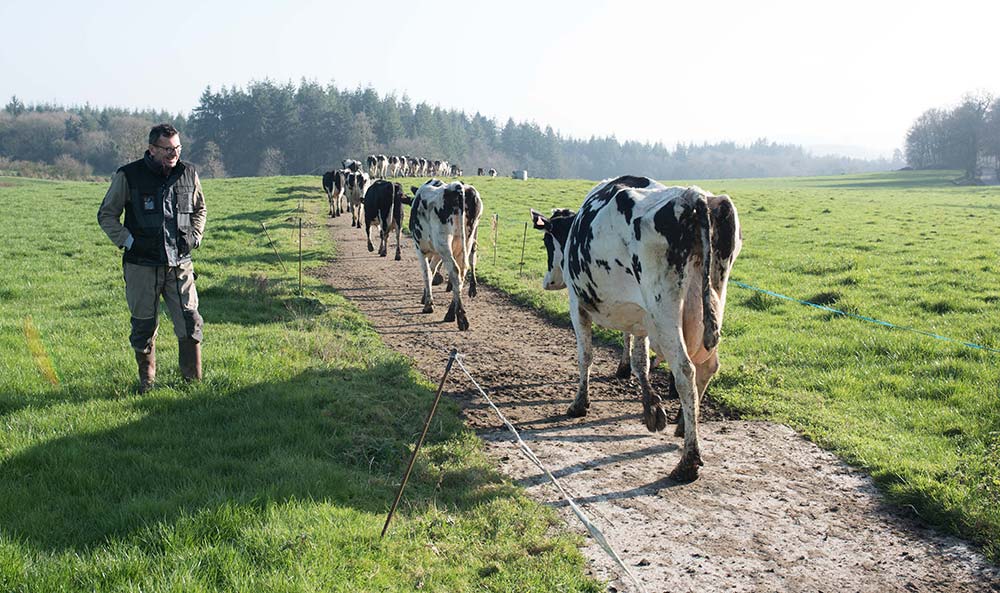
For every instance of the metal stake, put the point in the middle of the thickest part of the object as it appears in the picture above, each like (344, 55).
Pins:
(520, 266)
(300, 256)
(409, 468)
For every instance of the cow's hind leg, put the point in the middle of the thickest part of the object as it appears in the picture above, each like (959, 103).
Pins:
(704, 371)
(428, 299)
(652, 406)
(457, 311)
(584, 358)
(473, 255)
(670, 344)
(398, 256)
(624, 363)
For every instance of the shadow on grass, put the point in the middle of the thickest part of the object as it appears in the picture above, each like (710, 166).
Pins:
(326, 436)
(258, 300)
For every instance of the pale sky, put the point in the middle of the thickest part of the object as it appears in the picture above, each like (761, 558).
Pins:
(845, 73)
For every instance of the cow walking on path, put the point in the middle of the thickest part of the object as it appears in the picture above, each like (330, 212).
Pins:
(444, 221)
(652, 261)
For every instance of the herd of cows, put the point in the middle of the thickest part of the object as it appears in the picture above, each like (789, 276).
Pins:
(380, 166)
(639, 257)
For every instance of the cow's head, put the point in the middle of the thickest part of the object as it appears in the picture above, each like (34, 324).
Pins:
(556, 236)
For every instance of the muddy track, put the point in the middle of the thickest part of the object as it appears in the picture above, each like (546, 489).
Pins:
(770, 512)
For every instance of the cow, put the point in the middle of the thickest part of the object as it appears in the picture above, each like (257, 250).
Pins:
(479, 172)
(492, 172)
(393, 166)
(357, 185)
(439, 226)
(456, 171)
(351, 164)
(384, 209)
(652, 261)
(334, 184)
(372, 162)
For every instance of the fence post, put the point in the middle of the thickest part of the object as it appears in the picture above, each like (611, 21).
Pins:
(520, 266)
(496, 231)
(300, 256)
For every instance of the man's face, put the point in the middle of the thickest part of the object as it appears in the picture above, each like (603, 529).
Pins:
(166, 151)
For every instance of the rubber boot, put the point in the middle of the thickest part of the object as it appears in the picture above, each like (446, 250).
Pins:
(189, 357)
(147, 369)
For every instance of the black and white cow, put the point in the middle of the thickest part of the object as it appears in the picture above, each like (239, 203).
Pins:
(384, 209)
(351, 164)
(372, 162)
(479, 172)
(456, 171)
(334, 184)
(652, 261)
(444, 227)
(357, 185)
(492, 172)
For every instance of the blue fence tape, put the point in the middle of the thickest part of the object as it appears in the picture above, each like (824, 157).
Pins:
(863, 318)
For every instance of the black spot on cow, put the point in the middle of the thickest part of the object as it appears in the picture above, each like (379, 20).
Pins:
(603, 263)
(637, 228)
(658, 298)
(625, 205)
(416, 229)
(619, 262)
(681, 232)
(452, 204)
(637, 268)
(632, 181)
(724, 229)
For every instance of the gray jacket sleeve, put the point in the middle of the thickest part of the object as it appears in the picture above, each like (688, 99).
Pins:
(199, 212)
(110, 212)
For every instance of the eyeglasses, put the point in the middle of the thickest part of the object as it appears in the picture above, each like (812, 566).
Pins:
(170, 149)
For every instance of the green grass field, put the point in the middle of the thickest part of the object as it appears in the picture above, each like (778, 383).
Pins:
(276, 472)
(921, 415)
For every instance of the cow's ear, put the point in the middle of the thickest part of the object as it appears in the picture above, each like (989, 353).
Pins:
(407, 200)
(413, 189)
(538, 221)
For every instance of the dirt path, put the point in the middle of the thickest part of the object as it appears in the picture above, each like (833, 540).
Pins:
(770, 512)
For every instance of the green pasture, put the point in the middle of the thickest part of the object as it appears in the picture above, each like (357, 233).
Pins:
(920, 414)
(273, 474)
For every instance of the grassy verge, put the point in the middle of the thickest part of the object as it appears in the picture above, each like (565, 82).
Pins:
(921, 415)
(275, 472)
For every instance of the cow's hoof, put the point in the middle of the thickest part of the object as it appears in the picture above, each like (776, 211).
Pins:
(370, 248)
(381, 254)
(687, 469)
(450, 315)
(463, 322)
(429, 308)
(398, 257)
(624, 371)
(438, 279)
(577, 411)
(655, 418)
(472, 290)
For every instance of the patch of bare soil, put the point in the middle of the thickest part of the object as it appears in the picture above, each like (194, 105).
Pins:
(770, 512)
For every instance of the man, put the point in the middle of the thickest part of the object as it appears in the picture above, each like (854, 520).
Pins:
(164, 220)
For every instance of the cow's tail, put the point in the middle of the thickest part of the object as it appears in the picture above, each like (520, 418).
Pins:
(709, 300)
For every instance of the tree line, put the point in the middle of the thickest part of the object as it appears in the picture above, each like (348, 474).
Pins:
(966, 137)
(269, 128)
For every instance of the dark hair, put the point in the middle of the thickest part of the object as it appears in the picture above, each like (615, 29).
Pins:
(161, 130)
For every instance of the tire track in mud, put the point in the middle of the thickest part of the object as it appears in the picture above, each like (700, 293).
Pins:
(770, 512)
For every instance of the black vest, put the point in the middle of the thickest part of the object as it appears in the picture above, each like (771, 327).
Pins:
(158, 213)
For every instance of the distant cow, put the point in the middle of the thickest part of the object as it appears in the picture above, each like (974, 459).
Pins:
(456, 171)
(479, 172)
(440, 227)
(372, 162)
(351, 164)
(334, 184)
(652, 261)
(384, 209)
(492, 172)
(357, 185)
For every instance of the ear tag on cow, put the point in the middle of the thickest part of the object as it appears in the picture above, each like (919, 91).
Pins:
(147, 203)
